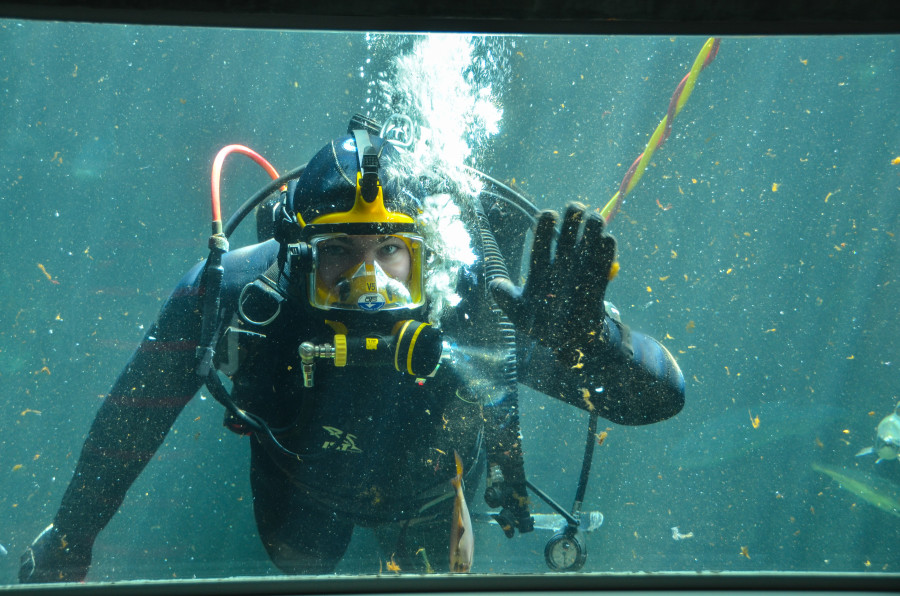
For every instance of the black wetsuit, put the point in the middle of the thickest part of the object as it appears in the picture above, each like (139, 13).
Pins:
(375, 447)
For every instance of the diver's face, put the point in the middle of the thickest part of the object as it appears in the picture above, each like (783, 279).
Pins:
(337, 255)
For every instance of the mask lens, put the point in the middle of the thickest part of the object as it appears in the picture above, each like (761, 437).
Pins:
(367, 273)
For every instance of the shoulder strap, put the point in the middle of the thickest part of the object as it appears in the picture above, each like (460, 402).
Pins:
(260, 301)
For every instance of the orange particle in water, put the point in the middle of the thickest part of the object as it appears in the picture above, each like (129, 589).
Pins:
(586, 397)
(754, 420)
(578, 363)
(896, 161)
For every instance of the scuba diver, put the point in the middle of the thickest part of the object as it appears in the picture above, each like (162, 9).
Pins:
(372, 349)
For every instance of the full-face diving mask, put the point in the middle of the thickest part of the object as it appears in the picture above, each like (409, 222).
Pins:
(366, 272)
(358, 212)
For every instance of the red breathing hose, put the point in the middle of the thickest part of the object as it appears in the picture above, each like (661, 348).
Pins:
(217, 174)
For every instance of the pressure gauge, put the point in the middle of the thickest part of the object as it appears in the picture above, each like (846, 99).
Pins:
(565, 551)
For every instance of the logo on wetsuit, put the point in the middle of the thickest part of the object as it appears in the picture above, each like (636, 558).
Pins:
(342, 441)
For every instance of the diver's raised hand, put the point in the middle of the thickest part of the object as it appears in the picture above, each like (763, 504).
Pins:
(53, 558)
(561, 303)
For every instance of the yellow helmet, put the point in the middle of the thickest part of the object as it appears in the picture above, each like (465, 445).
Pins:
(359, 216)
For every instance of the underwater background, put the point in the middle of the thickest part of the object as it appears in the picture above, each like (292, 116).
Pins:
(760, 246)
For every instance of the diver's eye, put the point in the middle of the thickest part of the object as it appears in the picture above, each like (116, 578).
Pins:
(332, 250)
(389, 249)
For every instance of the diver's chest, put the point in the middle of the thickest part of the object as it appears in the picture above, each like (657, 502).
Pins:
(271, 379)
(376, 393)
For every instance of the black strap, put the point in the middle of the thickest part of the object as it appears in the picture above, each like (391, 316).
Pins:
(261, 300)
(368, 165)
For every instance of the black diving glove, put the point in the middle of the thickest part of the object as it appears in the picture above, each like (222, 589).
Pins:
(561, 304)
(515, 515)
(54, 558)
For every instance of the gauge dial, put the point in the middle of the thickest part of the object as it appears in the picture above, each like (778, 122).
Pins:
(565, 551)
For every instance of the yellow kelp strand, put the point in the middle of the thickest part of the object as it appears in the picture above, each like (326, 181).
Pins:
(679, 97)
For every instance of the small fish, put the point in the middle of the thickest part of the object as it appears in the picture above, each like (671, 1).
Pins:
(887, 438)
(3, 551)
(462, 541)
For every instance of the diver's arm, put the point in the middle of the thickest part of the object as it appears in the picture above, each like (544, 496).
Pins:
(625, 376)
(134, 419)
(130, 425)
(570, 346)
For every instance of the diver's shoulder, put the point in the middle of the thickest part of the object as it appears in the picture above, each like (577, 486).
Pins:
(263, 251)
(249, 260)
(240, 265)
